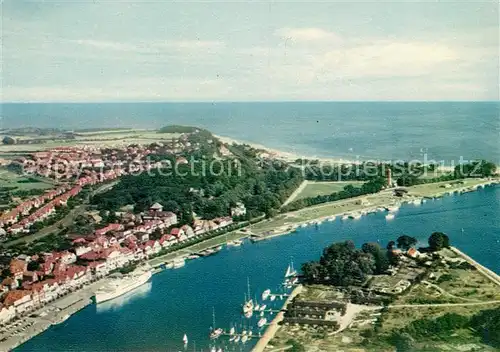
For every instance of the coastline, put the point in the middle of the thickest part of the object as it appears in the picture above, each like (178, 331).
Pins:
(292, 156)
(288, 223)
(288, 156)
(53, 313)
(274, 325)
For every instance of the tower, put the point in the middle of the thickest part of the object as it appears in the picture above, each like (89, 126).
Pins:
(388, 175)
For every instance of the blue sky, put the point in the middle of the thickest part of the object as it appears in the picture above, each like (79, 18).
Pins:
(245, 51)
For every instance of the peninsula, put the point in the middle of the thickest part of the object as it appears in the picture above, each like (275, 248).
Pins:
(402, 298)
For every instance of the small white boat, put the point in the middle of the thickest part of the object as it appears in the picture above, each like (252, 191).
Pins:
(244, 339)
(185, 339)
(237, 338)
(232, 331)
(243, 333)
(219, 350)
(262, 322)
(235, 243)
(179, 263)
(393, 208)
(266, 294)
(262, 307)
(169, 265)
(257, 307)
(261, 314)
(216, 333)
(213, 349)
(273, 297)
(355, 216)
(332, 218)
(389, 216)
(345, 217)
(303, 225)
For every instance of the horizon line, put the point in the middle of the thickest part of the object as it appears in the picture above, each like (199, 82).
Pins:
(240, 101)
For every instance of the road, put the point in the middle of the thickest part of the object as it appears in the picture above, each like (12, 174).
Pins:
(65, 222)
(443, 304)
(295, 193)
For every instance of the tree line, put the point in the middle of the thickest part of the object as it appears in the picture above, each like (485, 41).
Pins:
(262, 188)
(342, 264)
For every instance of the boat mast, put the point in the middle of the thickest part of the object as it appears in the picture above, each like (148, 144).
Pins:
(213, 317)
(248, 288)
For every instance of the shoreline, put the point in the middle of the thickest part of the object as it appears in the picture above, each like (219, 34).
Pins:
(73, 308)
(292, 156)
(364, 210)
(53, 313)
(274, 326)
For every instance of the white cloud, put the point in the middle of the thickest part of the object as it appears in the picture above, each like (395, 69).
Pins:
(151, 46)
(307, 34)
(103, 44)
(385, 59)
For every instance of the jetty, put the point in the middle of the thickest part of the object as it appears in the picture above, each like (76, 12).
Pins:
(494, 277)
(273, 327)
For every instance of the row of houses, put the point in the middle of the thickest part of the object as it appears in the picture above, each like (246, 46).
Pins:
(68, 162)
(21, 218)
(97, 254)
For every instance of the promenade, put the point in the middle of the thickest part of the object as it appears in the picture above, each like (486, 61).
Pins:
(21, 330)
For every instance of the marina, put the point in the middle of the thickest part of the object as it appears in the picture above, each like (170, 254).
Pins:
(175, 293)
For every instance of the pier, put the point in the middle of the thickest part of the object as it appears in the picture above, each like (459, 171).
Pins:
(273, 327)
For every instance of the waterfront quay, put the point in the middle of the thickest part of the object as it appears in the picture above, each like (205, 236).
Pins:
(26, 327)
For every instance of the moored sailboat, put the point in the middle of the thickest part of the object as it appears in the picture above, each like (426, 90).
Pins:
(266, 294)
(215, 332)
(248, 305)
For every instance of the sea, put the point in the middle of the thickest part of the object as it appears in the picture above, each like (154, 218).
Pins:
(156, 316)
(439, 131)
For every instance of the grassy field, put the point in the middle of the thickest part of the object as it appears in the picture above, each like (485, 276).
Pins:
(282, 222)
(437, 189)
(314, 189)
(11, 179)
(320, 211)
(104, 137)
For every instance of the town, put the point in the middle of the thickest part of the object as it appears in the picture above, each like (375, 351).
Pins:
(33, 280)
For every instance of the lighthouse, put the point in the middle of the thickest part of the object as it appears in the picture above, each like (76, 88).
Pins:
(388, 174)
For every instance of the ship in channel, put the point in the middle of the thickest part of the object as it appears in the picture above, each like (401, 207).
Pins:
(124, 284)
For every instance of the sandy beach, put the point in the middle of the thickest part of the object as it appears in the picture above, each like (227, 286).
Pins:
(288, 156)
(292, 156)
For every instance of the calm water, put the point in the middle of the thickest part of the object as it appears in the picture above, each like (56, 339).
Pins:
(155, 317)
(378, 130)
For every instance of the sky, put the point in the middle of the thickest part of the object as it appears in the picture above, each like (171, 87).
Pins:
(87, 51)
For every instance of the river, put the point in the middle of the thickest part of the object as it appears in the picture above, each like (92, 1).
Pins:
(156, 316)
